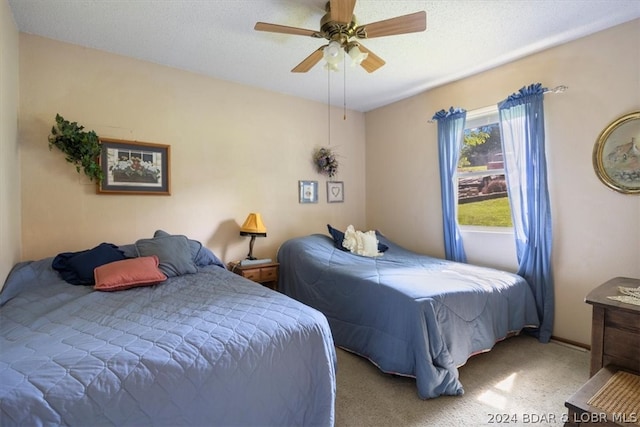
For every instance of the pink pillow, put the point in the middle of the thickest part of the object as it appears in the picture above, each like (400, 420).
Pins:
(128, 273)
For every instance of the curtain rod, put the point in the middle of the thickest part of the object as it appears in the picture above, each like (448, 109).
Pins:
(557, 89)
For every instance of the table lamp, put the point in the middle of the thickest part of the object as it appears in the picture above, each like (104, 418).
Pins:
(253, 227)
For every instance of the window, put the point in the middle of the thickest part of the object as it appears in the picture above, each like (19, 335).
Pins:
(482, 187)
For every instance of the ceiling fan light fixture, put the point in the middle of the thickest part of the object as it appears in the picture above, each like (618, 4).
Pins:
(339, 26)
(331, 67)
(356, 55)
(333, 55)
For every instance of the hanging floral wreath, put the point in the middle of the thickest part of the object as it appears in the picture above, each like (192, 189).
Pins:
(326, 162)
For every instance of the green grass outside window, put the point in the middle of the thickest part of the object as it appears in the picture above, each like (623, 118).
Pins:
(488, 213)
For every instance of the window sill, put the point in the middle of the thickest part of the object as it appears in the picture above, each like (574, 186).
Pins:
(484, 229)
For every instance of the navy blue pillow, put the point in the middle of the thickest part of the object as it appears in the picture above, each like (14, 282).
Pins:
(77, 267)
(338, 237)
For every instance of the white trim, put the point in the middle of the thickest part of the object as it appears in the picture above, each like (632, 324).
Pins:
(486, 229)
(484, 111)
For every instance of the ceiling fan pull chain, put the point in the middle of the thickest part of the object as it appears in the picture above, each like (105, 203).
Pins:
(329, 104)
(344, 93)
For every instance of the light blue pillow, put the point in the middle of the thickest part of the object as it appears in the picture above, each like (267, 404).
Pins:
(202, 256)
(129, 250)
(173, 252)
(194, 245)
(207, 257)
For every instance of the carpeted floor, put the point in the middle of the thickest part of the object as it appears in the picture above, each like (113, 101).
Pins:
(519, 383)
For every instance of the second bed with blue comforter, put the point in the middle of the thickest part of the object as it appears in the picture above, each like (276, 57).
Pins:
(410, 314)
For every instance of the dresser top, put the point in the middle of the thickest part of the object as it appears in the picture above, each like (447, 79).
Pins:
(599, 295)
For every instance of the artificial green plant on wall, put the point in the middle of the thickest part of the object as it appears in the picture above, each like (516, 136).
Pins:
(80, 148)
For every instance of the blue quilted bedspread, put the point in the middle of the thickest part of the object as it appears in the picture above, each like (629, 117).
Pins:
(210, 348)
(410, 314)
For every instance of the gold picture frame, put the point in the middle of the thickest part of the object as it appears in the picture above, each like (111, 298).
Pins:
(616, 154)
(133, 167)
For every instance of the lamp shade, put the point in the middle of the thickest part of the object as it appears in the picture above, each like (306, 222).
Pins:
(253, 226)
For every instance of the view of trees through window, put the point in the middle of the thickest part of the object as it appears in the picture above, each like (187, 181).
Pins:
(482, 188)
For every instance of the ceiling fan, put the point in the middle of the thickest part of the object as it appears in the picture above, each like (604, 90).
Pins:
(340, 28)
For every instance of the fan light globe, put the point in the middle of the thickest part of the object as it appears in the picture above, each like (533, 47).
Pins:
(331, 67)
(333, 54)
(357, 56)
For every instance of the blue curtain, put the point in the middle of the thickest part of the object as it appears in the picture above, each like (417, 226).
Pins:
(522, 130)
(450, 131)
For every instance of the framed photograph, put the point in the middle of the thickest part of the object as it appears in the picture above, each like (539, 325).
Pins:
(335, 191)
(132, 167)
(616, 154)
(308, 191)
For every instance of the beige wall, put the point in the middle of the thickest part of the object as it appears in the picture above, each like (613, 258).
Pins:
(234, 150)
(596, 230)
(237, 149)
(10, 245)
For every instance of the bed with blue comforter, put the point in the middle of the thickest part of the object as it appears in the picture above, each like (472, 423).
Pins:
(408, 313)
(205, 348)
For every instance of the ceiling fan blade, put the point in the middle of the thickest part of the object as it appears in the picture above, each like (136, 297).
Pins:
(342, 10)
(309, 61)
(373, 61)
(412, 23)
(283, 29)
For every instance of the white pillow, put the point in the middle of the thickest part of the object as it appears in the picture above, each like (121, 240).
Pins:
(365, 244)
(350, 240)
(369, 244)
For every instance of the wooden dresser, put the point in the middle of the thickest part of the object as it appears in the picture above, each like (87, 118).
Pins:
(615, 346)
(615, 328)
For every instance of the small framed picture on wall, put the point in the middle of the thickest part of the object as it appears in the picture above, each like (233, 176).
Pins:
(335, 191)
(308, 191)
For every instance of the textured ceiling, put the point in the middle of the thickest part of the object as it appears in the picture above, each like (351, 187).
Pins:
(216, 38)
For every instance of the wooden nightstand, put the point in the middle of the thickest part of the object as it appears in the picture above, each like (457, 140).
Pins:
(266, 274)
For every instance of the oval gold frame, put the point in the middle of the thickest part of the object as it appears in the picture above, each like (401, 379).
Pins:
(610, 148)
